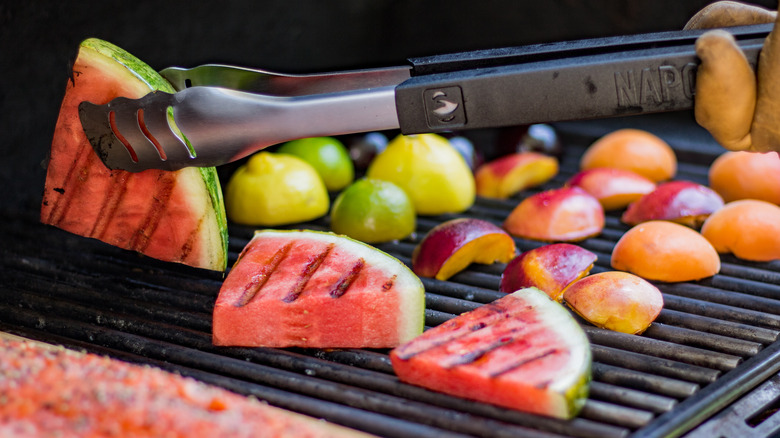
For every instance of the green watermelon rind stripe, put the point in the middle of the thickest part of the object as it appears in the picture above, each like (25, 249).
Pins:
(154, 81)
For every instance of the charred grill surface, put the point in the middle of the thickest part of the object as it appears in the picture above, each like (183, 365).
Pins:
(715, 340)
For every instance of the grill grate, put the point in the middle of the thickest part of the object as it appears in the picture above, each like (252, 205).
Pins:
(713, 342)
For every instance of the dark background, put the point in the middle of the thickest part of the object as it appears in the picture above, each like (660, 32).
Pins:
(38, 40)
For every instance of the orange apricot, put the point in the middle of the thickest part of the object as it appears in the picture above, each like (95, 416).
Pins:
(748, 228)
(665, 251)
(635, 150)
(746, 175)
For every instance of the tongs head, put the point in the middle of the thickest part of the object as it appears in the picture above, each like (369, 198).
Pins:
(129, 133)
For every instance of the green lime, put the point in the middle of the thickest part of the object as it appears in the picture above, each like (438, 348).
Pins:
(373, 211)
(328, 156)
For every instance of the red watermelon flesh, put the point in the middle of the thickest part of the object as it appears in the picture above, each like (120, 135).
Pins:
(523, 351)
(316, 289)
(172, 216)
(51, 391)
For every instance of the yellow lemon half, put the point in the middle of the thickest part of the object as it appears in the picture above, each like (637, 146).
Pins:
(275, 189)
(430, 170)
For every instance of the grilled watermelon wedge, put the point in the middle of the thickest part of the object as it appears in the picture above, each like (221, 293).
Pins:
(172, 216)
(301, 288)
(523, 351)
(48, 391)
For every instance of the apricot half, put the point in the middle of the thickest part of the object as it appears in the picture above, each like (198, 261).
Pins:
(550, 268)
(635, 150)
(748, 228)
(684, 202)
(615, 300)
(665, 251)
(567, 214)
(746, 175)
(451, 246)
(614, 188)
(507, 175)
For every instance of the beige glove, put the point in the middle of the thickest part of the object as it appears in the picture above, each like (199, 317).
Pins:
(740, 111)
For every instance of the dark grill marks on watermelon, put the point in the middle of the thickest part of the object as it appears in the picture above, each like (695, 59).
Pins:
(258, 280)
(340, 288)
(309, 269)
(526, 361)
(111, 202)
(61, 203)
(455, 328)
(473, 354)
(166, 182)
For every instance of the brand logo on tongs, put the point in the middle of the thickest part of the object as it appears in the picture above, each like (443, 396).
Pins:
(655, 86)
(444, 107)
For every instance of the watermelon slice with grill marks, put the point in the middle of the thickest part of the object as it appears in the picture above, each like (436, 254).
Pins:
(523, 351)
(172, 216)
(302, 288)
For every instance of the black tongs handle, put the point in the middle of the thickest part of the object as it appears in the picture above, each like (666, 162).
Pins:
(576, 80)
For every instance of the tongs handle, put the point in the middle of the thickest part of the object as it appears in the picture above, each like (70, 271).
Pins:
(556, 82)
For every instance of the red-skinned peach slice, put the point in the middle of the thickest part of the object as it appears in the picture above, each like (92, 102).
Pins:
(505, 176)
(615, 300)
(567, 214)
(684, 202)
(665, 251)
(550, 268)
(451, 246)
(614, 188)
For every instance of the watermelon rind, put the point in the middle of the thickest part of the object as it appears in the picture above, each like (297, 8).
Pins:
(71, 198)
(476, 356)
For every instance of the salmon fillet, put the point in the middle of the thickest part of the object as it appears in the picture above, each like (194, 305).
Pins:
(51, 391)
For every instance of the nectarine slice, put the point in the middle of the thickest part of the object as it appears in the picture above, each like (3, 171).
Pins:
(567, 214)
(550, 268)
(614, 188)
(615, 300)
(507, 175)
(748, 228)
(684, 202)
(665, 251)
(746, 175)
(635, 150)
(451, 246)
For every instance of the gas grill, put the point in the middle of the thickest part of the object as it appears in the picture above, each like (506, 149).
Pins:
(708, 366)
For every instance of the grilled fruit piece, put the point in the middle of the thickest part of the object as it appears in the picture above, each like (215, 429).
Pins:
(172, 216)
(550, 268)
(635, 150)
(59, 392)
(614, 188)
(451, 246)
(567, 214)
(507, 175)
(746, 175)
(317, 289)
(523, 351)
(683, 202)
(665, 251)
(616, 301)
(748, 228)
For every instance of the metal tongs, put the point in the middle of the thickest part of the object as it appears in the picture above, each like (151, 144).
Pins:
(221, 113)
